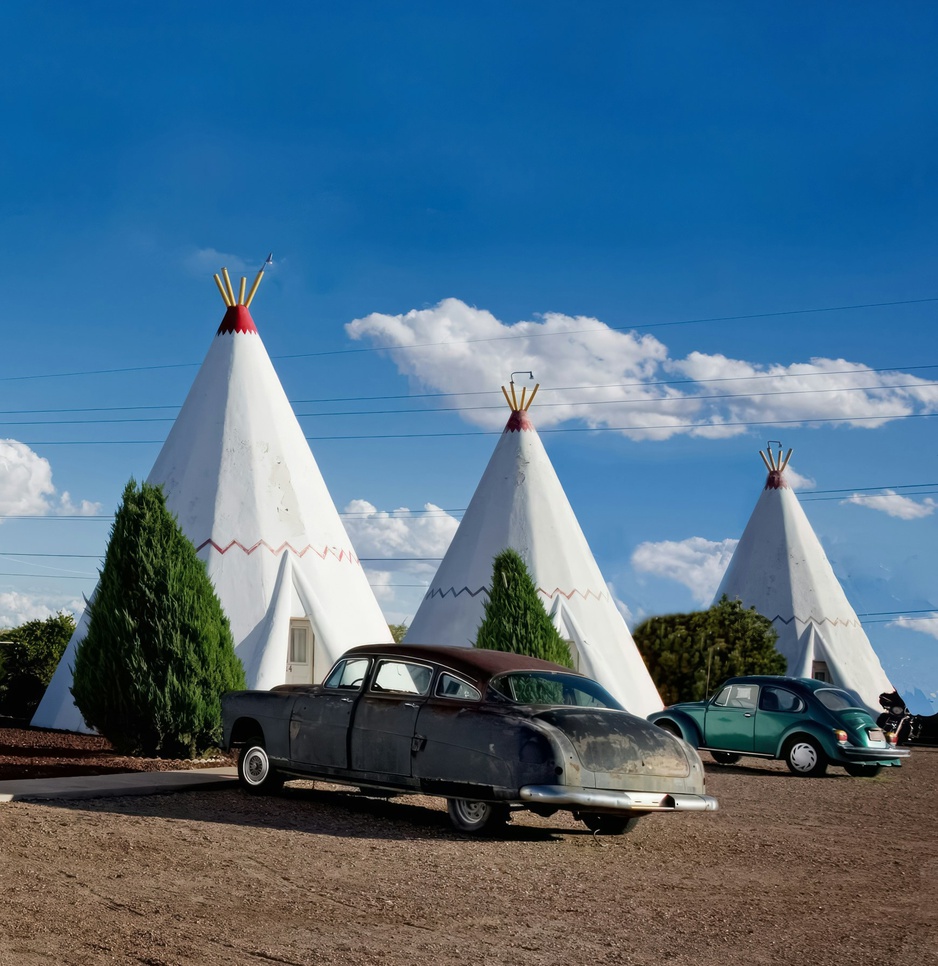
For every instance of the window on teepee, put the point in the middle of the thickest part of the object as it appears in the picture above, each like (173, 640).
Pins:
(820, 672)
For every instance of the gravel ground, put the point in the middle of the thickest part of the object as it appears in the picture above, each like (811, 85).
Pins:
(791, 870)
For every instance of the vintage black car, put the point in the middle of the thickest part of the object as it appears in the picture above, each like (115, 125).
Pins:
(487, 730)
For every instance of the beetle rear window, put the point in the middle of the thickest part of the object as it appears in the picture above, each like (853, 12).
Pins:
(546, 687)
(834, 699)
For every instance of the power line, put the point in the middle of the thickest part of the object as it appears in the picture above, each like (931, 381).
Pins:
(592, 403)
(602, 327)
(648, 428)
(754, 377)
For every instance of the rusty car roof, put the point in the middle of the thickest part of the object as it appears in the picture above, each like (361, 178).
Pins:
(474, 662)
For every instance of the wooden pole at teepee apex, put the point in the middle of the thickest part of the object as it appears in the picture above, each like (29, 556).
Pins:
(228, 287)
(221, 288)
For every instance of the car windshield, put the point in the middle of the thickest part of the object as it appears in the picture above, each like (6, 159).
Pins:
(835, 700)
(555, 688)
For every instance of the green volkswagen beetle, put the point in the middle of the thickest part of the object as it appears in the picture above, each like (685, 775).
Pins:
(805, 723)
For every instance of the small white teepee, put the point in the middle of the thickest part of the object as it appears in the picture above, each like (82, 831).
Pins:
(519, 503)
(780, 568)
(241, 479)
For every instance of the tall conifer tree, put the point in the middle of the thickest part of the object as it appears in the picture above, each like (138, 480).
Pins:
(158, 655)
(515, 619)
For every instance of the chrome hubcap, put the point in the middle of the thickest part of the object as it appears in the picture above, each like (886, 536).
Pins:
(255, 766)
(803, 756)
(473, 811)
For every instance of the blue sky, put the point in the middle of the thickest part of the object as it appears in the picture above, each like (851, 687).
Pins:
(652, 198)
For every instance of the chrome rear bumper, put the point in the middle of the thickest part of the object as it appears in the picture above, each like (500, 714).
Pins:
(592, 799)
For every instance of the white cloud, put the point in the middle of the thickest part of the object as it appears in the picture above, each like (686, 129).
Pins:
(606, 378)
(902, 507)
(17, 608)
(26, 486)
(924, 625)
(399, 584)
(696, 563)
(798, 482)
(25, 480)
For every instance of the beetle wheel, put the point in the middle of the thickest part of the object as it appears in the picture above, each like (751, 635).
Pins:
(609, 824)
(725, 757)
(255, 772)
(476, 817)
(805, 757)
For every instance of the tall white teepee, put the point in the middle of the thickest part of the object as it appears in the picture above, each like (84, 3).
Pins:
(241, 479)
(519, 503)
(780, 568)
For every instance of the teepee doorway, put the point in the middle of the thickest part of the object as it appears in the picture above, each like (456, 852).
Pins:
(300, 653)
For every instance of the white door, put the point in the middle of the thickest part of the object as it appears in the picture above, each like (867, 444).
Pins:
(300, 654)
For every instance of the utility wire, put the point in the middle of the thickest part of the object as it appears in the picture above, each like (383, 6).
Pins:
(637, 428)
(601, 327)
(755, 377)
(592, 403)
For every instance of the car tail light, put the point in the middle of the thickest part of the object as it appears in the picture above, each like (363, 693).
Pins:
(840, 736)
(892, 737)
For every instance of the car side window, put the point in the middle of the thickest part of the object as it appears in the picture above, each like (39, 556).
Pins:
(722, 699)
(452, 687)
(402, 677)
(738, 696)
(779, 699)
(348, 674)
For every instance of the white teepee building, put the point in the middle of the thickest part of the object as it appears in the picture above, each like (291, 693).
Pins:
(780, 568)
(519, 503)
(241, 479)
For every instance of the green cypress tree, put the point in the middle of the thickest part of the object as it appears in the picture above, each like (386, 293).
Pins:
(515, 619)
(158, 654)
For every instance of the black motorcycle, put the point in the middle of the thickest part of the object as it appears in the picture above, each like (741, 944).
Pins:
(897, 719)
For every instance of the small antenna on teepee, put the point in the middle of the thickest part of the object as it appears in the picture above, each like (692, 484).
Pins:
(257, 281)
(520, 405)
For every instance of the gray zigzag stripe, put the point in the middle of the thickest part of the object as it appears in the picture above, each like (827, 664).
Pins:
(433, 592)
(834, 622)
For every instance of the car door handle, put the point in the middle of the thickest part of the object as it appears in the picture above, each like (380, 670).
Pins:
(347, 700)
(748, 714)
(411, 704)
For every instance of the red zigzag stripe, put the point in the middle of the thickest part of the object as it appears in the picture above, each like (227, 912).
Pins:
(326, 551)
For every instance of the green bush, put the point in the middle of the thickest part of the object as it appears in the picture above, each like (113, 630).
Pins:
(159, 654)
(29, 655)
(515, 619)
(689, 655)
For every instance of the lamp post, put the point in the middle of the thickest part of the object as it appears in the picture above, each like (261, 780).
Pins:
(717, 644)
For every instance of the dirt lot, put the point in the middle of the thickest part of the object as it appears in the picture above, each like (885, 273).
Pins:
(834, 870)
